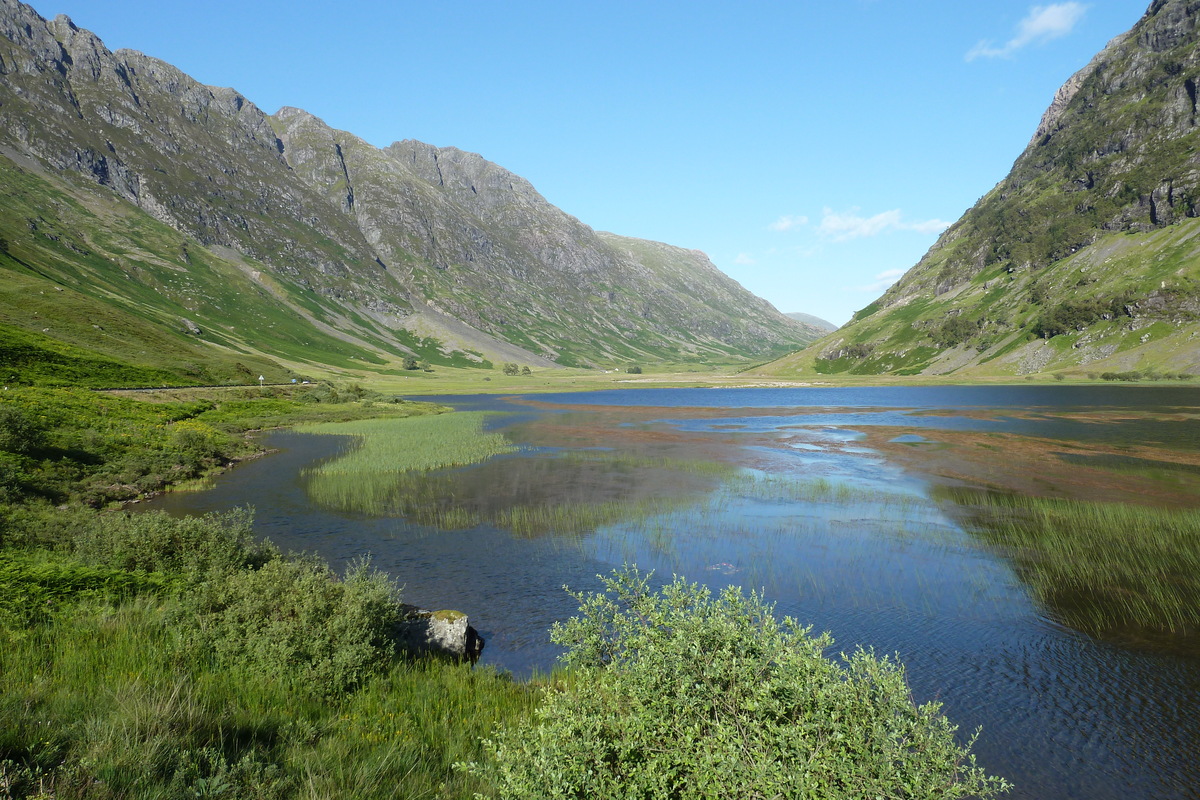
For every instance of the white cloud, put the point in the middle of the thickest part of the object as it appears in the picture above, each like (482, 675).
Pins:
(844, 226)
(787, 222)
(1041, 24)
(849, 225)
(744, 259)
(929, 226)
(882, 281)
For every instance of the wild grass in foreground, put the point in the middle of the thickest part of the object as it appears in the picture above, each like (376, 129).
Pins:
(1099, 567)
(152, 657)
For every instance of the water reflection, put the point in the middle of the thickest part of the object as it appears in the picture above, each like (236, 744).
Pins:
(824, 498)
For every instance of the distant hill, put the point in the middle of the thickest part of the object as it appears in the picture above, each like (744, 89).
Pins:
(1085, 257)
(152, 221)
(815, 322)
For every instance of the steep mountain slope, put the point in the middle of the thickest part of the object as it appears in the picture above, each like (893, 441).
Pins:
(1086, 254)
(276, 237)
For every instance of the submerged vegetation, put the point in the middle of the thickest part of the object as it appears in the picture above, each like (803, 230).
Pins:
(398, 468)
(1103, 568)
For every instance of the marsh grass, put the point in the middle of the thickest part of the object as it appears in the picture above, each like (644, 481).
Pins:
(407, 469)
(98, 704)
(388, 446)
(580, 518)
(1104, 568)
(795, 489)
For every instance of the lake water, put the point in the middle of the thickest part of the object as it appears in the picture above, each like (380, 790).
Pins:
(833, 502)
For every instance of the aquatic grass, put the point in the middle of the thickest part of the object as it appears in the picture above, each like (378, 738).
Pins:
(433, 493)
(372, 477)
(414, 443)
(1105, 568)
(774, 487)
(578, 518)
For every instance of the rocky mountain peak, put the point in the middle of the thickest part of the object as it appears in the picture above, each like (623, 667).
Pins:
(436, 238)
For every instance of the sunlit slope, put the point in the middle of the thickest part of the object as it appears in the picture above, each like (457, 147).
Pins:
(86, 276)
(186, 198)
(1128, 301)
(1083, 257)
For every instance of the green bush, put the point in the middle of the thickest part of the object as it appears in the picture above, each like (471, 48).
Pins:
(679, 694)
(18, 433)
(955, 331)
(295, 621)
(157, 542)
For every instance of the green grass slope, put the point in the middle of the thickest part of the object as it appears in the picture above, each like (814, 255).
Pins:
(91, 281)
(1084, 258)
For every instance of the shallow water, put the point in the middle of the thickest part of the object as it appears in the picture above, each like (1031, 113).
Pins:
(823, 500)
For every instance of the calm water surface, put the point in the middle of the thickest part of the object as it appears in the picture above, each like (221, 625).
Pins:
(837, 534)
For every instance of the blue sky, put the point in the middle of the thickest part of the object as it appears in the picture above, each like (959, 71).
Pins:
(812, 149)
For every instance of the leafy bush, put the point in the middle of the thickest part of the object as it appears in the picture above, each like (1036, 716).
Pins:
(18, 432)
(13, 478)
(294, 620)
(678, 694)
(634, 370)
(157, 542)
(955, 331)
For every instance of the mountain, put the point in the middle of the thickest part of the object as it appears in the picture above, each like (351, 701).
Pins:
(152, 221)
(824, 326)
(1086, 256)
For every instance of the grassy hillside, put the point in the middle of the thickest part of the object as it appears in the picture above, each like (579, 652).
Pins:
(1130, 301)
(1084, 258)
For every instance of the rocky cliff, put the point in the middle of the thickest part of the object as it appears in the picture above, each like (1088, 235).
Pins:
(372, 253)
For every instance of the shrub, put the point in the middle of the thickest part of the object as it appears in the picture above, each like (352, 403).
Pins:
(634, 370)
(295, 621)
(157, 542)
(678, 694)
(1129, 377)
(18, 433)
(955, 331)
(13, 478)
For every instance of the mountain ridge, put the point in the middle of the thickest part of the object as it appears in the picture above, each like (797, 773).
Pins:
(1082, 257)
(405, 250)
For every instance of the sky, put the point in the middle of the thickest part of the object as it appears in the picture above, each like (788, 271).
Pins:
(814, 150)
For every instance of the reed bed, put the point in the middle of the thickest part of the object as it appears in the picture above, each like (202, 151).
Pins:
(413, 443)
(791, 489)
(382, 473)
(1100, 567)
